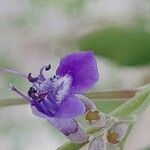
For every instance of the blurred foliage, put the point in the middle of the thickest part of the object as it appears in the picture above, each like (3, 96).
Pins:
(8, 78)
(126, 46)
(38, 8)
(108, 105)
(71, 6)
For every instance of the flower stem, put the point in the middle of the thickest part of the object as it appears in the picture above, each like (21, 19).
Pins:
(133, 107)
(12, 102)
(124, 94)
(93, 95)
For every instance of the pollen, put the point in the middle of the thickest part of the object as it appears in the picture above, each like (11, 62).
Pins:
(92, 115)
(112, 137)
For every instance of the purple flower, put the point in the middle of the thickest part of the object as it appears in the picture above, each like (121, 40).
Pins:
(56, 100)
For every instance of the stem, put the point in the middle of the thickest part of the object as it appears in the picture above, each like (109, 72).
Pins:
(124, 94)
(133, 107)
(12, 102)
(94, 95)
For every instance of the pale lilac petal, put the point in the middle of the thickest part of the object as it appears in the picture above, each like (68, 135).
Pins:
(38, 113)
(79, 136)
(101, 122)
(82, 67)
(98, 143)
(89, 104)
(71, 107)
(69, 127)
(120, 130)
(66, 126)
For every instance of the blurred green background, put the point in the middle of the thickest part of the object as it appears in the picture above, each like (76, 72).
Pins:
(36, 32)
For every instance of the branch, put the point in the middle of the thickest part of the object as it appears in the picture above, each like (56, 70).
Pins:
(122, 94)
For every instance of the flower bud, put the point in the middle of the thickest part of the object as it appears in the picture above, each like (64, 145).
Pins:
(96, 118)
(117, 132)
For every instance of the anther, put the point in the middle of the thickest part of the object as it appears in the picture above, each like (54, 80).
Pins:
(48, 67)
(92, 115)
(32, 79)
(32, 92)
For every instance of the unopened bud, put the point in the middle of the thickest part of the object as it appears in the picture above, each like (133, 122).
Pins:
(117, 132)
(96, 118)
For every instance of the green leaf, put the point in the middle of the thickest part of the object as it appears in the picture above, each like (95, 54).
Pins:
(108, 105)
(134, 106)
(126, 46)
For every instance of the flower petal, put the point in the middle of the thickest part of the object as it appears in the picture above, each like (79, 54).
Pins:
(117, 132)
(89, 104)
(66, 126)
(97, 143)
(82, 67)
(101, 122)
(37, 113)
(79, 136)
(69, 127)
(71, 107)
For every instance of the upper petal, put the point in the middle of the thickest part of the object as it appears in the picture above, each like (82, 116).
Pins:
(71, 107)
(82, 67)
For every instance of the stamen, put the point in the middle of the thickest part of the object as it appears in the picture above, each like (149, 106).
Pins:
(48, 67)
(48, 110)
(13, 88)
(42, 95)
(32, 79)
(32, 90)
(48, 104)
(92, 115)
(32, 93)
